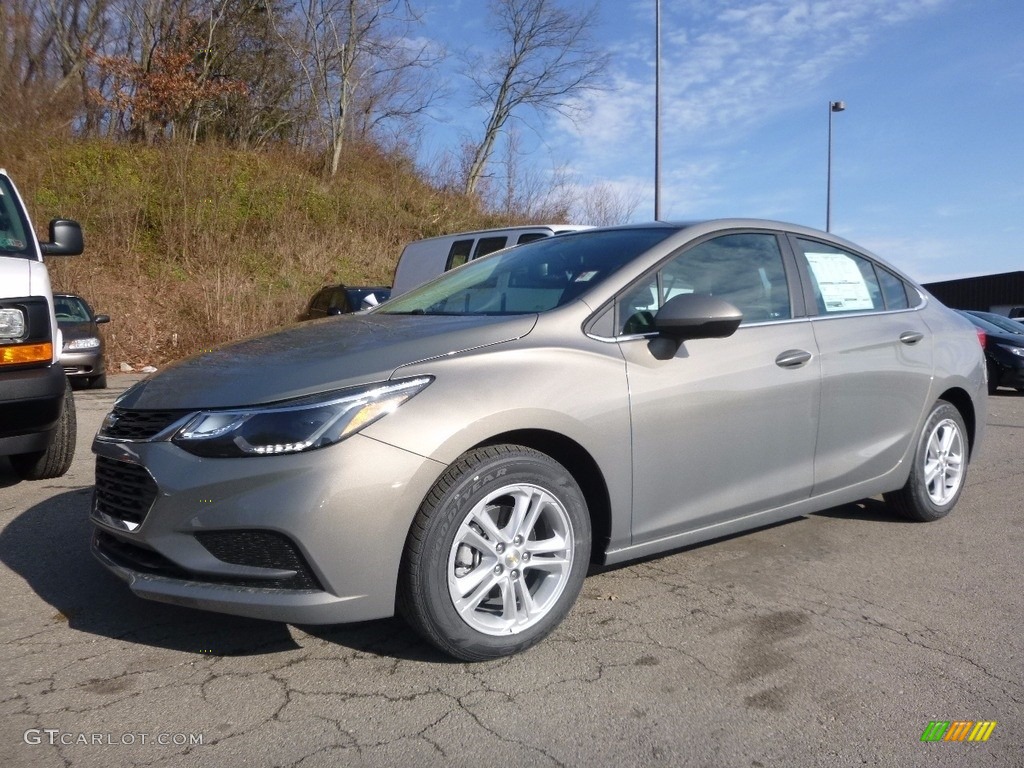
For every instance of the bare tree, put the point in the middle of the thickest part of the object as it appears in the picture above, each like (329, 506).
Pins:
(545, 57)
(345, 48)
(603, 205)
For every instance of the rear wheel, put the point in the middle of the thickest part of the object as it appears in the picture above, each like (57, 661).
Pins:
(55, 460)
(98, 382)
(939, 470)
(497, 553)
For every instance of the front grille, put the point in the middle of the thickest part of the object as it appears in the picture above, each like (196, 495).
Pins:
(144, 560)
(124, 491)
(138, 425)
(262, 549)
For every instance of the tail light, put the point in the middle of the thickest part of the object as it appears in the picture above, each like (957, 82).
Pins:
(982, 338)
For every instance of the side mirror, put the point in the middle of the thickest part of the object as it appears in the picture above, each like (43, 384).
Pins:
(692, 316)
(101, 319)
(65, 239)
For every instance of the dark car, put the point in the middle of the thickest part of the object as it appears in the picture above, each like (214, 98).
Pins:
(82, 353)
(341, 299)
(1004, 351)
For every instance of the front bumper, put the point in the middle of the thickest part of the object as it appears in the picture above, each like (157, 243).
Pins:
(85, 364)
(309, 538)
(30, 404)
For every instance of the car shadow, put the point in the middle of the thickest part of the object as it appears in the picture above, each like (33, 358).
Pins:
(874, 510)
(48, 546)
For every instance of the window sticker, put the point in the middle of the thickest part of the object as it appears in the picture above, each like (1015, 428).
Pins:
(843, 288)
(584, 277)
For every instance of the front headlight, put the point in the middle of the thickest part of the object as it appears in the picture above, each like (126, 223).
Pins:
(296, 426)
(87, 343)
(12, 323)
(1018, 351)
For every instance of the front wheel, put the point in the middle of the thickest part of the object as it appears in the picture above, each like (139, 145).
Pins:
(939, 470)
(497, 553)
(55, 460)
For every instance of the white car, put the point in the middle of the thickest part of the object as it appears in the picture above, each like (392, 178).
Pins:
(37, 411)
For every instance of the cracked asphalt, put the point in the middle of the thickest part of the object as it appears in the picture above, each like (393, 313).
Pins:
(831, 640)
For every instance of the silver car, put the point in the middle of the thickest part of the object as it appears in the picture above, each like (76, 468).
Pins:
(464, 452)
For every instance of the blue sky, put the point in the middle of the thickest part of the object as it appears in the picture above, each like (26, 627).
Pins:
(928, 163)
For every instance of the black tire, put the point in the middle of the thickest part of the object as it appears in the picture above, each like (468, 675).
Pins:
(465, 528)
(938, 473)
(55, 460)
(98, 382)
(993, 379)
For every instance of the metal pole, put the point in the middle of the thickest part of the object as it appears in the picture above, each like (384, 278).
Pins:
(657, 110)
(833, 106)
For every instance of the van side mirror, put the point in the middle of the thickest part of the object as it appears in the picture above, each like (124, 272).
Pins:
(692, 316)
(65, 239)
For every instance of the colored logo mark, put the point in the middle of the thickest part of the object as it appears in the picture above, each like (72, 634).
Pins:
(958, 730)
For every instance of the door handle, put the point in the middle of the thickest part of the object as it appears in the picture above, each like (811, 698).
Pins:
(792, 358)
(911, 337)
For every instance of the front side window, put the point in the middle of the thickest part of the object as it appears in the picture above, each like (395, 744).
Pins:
(529, 278)
(14, 228)
(744, 269)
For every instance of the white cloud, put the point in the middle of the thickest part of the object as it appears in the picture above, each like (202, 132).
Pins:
(727, 67)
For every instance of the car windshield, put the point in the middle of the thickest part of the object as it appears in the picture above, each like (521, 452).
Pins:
(14, 231)
(529, 278)
(70, 309)
(1008, 325)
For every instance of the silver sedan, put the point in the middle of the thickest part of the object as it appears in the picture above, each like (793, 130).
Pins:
(463, 453)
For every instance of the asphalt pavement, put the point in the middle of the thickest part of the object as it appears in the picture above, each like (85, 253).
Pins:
(832, 640)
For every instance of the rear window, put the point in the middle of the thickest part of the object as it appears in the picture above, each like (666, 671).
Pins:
(486, 245)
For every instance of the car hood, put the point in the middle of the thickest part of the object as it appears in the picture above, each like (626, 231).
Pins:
(84, 330)
(1010, 339)
(317, 356)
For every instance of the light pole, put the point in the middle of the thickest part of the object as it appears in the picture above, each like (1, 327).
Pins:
(657, 110)
(833, 106)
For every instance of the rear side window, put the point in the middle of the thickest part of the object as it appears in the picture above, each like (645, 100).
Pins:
(893, 290)
(842, 281)
(459, 254)
(487, 245)
(529, 237)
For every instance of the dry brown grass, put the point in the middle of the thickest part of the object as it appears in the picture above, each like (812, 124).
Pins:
(188, 247)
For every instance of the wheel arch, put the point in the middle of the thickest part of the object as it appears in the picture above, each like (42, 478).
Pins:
(960, 400)
(584, 469)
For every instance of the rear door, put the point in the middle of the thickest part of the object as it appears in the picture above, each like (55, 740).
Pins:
(876, 363)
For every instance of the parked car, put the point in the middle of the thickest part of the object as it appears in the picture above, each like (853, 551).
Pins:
(1004, 351)
(37, 409)
(341, 299)
(82, 352)
(424, 260)
(465, 451)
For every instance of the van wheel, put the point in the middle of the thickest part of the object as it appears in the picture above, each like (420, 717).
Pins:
(939, 470)
(55, 460)
(98, 382)
(497, 553)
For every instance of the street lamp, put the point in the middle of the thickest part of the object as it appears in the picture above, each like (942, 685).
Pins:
(833, 106)
(657, 110)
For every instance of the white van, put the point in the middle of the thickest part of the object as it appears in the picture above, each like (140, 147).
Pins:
(424, 260)
(37, 410)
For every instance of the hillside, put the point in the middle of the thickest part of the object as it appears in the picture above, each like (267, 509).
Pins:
(191, 246)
